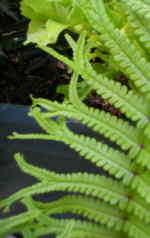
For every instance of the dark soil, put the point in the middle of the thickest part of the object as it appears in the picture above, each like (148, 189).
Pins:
(25, 70)
(28, 71)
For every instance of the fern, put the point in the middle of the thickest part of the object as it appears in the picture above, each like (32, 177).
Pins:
(130, 61)
(137, 16)
(118, 205)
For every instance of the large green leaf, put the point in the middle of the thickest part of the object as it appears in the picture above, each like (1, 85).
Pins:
(43, 33)
(49, 18)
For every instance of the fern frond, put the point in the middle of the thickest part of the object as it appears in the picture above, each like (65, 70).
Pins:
(83, 183)
(38, 188)
(135, 228)
(105, 123)
(110, 126)
(121, 203)
(143, 158)
(81, 229)
(109, 89)
(115, 129)
(131, 62)
(139, 207)
(126, 100)
(125, 135)
(109, 159)
(89, 184)
(67, 231)
(94, 210)
(39, 173)
(121, 98)
(11, 224)
(62, 58)
(136, 15)
(141, 183)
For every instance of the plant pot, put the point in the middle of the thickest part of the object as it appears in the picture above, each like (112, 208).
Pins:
(51, 155)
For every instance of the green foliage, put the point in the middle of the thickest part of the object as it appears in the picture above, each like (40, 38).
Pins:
(50, 17)
(118, 205)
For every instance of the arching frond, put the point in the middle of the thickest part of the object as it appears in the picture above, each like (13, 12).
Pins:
(11, 224)
(116, 207)
(126, 100)
(111, 90)
(89, 184)
(102, 155)
(125, 135)
(130, 61)
(104, 118)
(94, 210)
(81, 229)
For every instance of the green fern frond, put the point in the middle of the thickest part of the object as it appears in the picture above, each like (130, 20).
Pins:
(10, 225)
(143, 158)
(113, 128)
(102, 155)
(89, 184)
(115, 93)
(67, 231)
(114, 207)
(107, 129)
(125, 135)
(137, 13)
(134, 204)
(139, 207)
(121, 98)
(141, 183)
(36, 222)
(131, 62)
(94, 210)
(107, 189)
(126, 100)
(135, 228)
(46, 225)
(81, 229)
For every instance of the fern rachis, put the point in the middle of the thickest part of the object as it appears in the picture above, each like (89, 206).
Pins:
(111, 207)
